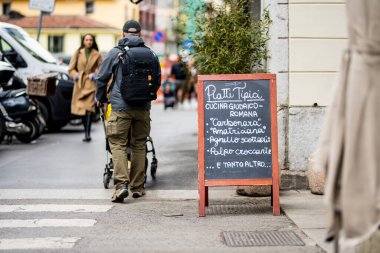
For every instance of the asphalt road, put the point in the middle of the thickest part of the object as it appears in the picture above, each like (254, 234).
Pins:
(62, 160)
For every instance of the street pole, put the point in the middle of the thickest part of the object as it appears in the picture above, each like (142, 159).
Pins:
(39, 25)
(45, 6)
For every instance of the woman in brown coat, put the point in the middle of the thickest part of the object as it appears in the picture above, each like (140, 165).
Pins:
(83, 68)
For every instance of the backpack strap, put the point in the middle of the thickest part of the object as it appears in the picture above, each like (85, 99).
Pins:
(123, 52)
(113, 80)
(117, 68)
(122, 49)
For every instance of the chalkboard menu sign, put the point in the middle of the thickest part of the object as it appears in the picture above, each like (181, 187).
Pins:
(237, 129)
(237, 133)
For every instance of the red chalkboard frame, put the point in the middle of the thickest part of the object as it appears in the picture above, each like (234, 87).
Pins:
(203, 184)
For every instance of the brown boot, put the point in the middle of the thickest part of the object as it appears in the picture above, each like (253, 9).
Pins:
(87, 121)
(120, 194)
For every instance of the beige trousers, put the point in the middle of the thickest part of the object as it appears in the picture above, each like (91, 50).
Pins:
(118, 126)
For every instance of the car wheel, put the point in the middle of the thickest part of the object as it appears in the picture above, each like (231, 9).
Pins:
(44, 111)
(56, 125)
(96, 115)
(40, 125)
(76, 122)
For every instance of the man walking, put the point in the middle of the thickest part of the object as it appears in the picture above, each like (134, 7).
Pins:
(178, 71)
(136, 76)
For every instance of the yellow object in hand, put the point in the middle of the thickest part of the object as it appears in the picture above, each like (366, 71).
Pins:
(109, 109)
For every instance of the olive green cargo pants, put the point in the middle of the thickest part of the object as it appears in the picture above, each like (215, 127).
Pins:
(118, 126)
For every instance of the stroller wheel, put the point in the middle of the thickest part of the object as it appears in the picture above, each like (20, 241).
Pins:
(153, 168)
(106, 180)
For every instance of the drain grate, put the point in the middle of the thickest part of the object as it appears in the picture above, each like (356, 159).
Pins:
(261, 238)
(238, 209)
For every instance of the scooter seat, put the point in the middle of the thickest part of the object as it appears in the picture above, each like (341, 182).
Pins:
(11, 93)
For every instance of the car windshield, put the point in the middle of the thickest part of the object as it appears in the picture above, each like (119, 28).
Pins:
(31, 45)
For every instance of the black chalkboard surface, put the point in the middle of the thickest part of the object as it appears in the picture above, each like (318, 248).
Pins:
(237, 129)
(237, 134)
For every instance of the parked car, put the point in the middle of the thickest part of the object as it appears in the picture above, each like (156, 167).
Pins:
(29, 58)
(62, 58)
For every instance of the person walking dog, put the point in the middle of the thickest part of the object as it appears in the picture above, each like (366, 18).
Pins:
(136, 77)
(83, 68)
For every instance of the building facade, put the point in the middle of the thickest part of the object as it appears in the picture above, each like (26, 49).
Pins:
(64, 38)
(306, 45)
(111, 12)
(166, 12)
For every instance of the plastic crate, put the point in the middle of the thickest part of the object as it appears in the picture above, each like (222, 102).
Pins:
(42, 85)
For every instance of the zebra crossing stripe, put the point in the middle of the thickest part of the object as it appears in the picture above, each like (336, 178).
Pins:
(36, 223)
(103, 194)
(38, 243)
(56, 193)
(54, 208)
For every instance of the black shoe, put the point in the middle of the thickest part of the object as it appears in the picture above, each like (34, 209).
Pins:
(137, 195)
(120, 194)
(86, 139)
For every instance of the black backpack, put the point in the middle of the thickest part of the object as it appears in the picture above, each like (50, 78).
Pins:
(141, 74)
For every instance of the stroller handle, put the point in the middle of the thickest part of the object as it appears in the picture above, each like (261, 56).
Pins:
(102, 117)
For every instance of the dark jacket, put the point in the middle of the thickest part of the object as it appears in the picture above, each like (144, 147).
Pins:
(178, 71)
(109, 67)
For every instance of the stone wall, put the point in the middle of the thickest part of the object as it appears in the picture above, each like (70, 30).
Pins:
(307, 40)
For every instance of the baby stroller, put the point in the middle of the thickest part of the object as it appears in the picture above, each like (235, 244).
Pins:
(168, 89)
(108, 170)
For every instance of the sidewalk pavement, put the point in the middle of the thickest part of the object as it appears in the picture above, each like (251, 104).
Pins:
(308, 212)
(169, 218)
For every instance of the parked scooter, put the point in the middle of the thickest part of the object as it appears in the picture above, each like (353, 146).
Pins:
(2, 127)
(19, 115)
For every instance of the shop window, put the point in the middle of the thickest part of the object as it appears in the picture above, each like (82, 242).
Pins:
(255, 8)
(153, 23)
(6, 8)
(55, 43)
(89, 7)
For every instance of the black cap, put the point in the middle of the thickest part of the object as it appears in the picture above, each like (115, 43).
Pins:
(131, 26)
